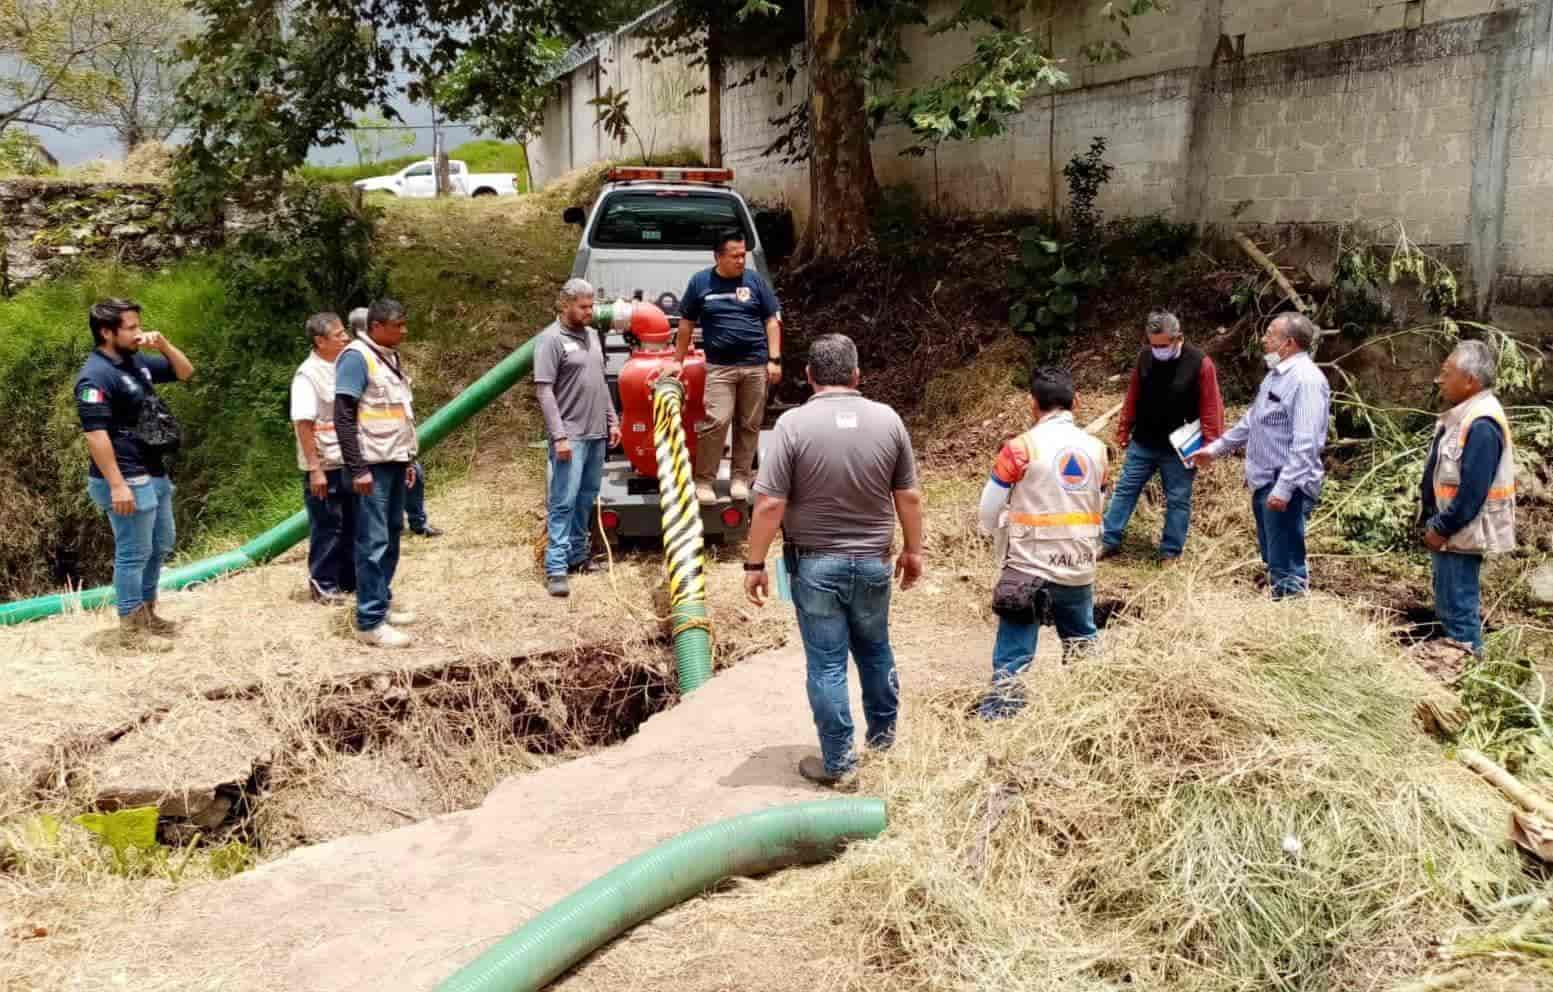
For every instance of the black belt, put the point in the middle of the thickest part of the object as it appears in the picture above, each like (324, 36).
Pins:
(801, 552)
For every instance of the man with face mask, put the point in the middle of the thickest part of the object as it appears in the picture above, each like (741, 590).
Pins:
(1172, 385)
(1282, 436)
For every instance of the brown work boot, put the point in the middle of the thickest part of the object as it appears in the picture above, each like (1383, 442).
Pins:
(135, 634)
(156, 623)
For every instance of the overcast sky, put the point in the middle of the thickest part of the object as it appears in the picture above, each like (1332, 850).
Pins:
(82, 144)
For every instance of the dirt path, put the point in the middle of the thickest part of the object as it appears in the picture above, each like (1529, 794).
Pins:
(406, 908)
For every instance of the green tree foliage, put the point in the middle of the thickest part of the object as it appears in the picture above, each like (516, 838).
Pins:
(46, 76)
(272, 79)
(139, 57)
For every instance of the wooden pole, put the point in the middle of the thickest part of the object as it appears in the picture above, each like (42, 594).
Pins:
(1257, 256)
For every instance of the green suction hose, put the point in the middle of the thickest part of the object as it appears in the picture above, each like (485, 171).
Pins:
(534, 954)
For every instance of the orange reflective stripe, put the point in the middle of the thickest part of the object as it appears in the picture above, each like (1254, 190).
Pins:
(1444, 490)
(387, 413)
(1054, 519)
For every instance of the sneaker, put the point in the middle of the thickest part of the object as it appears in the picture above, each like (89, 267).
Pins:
(739, 491)
(401, 618)
(813, 769)
(384, 636)
(585, 567)
(1109, 551)
(329, 597)
(1170, 561)
(557, 585)
(705, 494)
(427, 531)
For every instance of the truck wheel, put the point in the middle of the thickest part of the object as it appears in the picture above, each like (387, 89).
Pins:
(485, 191)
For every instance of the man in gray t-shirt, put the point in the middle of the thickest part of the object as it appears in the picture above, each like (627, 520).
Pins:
(838, 473)
(581, 422)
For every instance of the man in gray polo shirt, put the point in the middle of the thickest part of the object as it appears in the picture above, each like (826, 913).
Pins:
(839, 471)
(581, 422)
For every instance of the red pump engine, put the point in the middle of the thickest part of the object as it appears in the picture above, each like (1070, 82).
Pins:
(646, 329)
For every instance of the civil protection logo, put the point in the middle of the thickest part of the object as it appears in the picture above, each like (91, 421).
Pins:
(742, 294)
(1074, 469)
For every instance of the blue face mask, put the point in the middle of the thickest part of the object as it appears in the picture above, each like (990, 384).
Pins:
(1164, 354)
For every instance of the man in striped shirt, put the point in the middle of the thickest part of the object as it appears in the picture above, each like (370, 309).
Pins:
(1282, 435)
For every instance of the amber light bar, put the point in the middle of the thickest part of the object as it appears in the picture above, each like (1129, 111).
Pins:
(668, 174)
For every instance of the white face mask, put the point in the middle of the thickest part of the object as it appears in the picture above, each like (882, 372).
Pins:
(1165, 354)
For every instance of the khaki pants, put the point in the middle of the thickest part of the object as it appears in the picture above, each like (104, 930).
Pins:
(735, 394)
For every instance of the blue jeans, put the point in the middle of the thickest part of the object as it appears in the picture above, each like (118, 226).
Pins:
(1142, 461)
(1280, 537)
(1073, 613)
(331, 537)
(1456, 597)
(415, 500)
(574, 488)
(141, 540)
(844, 603)
(379, 522)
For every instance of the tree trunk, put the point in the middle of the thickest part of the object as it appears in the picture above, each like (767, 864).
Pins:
(716, 78)
(842, 187)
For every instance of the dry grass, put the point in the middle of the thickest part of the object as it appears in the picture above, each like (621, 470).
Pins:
(1229, 796)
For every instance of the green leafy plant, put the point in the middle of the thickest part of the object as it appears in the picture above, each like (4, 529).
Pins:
(614, 117)
(231, 858)
(127, 833)
(1050, 277)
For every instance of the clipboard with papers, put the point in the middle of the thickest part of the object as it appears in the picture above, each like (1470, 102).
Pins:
(1187, 440)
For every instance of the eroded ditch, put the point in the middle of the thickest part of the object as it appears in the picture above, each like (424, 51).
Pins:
(292, 764)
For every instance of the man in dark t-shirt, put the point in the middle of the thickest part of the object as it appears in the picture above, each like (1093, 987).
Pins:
(741, 331)
(128, 478)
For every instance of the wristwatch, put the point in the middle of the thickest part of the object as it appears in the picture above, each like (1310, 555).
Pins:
(754, 566)
(774, 360)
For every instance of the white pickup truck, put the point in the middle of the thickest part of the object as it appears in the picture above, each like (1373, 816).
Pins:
(420, 180)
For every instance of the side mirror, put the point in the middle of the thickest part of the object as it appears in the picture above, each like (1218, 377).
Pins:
(573, 215)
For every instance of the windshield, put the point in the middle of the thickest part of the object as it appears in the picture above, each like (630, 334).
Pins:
(666, 219)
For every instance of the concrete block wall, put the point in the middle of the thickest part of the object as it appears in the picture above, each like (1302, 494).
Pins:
(1434, 113)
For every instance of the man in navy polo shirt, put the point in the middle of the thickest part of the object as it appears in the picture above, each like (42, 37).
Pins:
(128, 478)
(741, 330)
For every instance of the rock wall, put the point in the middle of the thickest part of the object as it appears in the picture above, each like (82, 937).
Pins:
(48, 225)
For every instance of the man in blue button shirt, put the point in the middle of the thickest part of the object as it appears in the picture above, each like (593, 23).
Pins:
(1283, 435)
(127, 478)
(741, 331)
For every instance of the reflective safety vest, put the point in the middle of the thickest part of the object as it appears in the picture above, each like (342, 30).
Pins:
(319, 376)
(1492, 530)
(1054, 507)
(386, 414)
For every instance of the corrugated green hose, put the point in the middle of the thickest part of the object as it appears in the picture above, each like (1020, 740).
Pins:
(683, 545)
(534, 954)
(293, 529)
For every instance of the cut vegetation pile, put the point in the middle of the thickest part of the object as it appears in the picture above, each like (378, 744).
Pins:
(1232, 795)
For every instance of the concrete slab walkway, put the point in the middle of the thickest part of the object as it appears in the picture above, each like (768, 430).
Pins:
(405, 909)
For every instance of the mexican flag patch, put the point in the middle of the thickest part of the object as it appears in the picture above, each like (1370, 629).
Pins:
(91, 394)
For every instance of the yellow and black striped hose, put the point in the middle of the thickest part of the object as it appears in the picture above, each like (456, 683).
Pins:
(683, 547)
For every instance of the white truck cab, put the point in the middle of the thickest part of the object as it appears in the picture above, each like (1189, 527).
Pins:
(652, 228)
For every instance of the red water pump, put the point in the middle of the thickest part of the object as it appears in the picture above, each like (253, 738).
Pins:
(646, 329)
